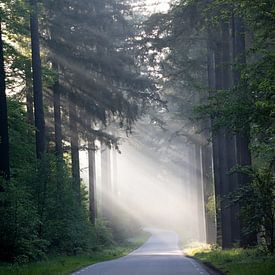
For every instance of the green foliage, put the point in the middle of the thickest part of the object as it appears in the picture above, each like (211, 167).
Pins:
(211, 206)
(236, 261)
(39, 212)
(66, 264)
(22, 138)
(104, 236)
(257, 201)
(64, 222)
(19, 221)
(187, 46)
(248, 108)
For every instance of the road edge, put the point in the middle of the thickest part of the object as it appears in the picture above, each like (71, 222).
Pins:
(211, 269)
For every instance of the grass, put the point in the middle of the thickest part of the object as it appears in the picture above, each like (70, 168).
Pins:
(235, 261)
(62, 265)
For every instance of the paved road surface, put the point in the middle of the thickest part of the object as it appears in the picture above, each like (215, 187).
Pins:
(160, 255)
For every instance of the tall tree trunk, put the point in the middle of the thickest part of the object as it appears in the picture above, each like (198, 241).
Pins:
(186, 172)
(243, 155)
(218, 77)
(223, 142)
(227, 151)
(106, 181)
(214, 82)
(39, 120)
(4, 134)
(200, 193)
(207, 171)
(57, 114)
(115, 174)
(194, 198)
(37, 81)
(74, 146)
(29, 101)
(92, 181)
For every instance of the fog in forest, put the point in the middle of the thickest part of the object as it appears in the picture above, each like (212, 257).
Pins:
(154, 180)
(138, 128)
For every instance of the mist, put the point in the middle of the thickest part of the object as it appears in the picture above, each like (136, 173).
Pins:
(154, 179)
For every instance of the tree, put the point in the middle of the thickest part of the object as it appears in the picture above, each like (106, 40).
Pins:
(92, 182)
(57, 113)
(96, 73)
(37, 81)
(4, 135)
(242, 140)
(177, 44)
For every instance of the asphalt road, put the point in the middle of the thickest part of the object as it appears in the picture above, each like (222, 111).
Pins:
(160, 255)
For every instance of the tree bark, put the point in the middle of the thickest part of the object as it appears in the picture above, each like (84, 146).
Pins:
(207, 171)
(92, 182)
(227, 151)
(194, 198)
(219, 79)
(106, 181)
(115, 174)
(57, 115)
(242, 140)
(214, 82)
(4, 133)
(200, 193)
(29, 101)
(74, 147)
(37, 81)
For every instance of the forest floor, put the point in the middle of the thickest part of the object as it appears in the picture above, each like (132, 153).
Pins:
(234, 261)
(63, 265)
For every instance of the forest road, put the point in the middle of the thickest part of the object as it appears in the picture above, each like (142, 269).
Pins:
(160, 255)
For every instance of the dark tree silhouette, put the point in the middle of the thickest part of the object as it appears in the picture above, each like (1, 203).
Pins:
(92, 175)
(57, 114)
(37, 81)
(4, 136)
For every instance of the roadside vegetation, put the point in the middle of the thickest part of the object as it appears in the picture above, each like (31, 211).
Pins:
(59, 264)
(237, 261)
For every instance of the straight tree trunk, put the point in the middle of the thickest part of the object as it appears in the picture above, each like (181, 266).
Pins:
(39, 120)
(207, 172)
(29, 101)
(218, 78)
(92, 182)
(74, 147)
(4, 133)
(200, 193)
(115, 174)
(223, 142)
(194, 200)
(106, 181)
(227, 150)
(214, 82)
(243, 155)
(188, 183)
(57, 115)
(37, 81)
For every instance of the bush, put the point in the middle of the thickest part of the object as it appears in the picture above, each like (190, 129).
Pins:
(19, 221)
(258, 204)
(39, 211)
